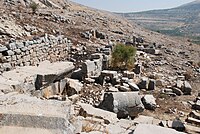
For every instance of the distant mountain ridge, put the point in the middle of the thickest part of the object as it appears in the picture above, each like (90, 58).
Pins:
(180, 21)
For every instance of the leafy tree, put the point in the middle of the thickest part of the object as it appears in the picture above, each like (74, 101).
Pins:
(34, 6)
(123, 56)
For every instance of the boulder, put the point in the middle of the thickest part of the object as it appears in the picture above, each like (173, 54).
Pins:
(122, 103)
(177, 125)
(149, 102)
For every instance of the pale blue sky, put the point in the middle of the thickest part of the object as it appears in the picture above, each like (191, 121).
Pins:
(131, 5)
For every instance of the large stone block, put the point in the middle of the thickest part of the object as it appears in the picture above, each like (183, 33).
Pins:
(153, 129)
(122, 103)
(92, 68)
(24, 114)
(89, 111)
(51, 72)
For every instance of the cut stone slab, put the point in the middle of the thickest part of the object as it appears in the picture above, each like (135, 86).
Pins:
(22, 112)
(39, 77)
(52, 72)
(88, 110)
(122, 103)
(153, 129)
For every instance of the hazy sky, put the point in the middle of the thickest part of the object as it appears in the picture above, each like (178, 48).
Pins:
(131, 5)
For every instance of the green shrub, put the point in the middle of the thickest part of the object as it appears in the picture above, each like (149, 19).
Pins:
(34, 6)
(123, 57)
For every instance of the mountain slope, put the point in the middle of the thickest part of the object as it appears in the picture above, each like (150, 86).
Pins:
(181, 21)
(68, 18)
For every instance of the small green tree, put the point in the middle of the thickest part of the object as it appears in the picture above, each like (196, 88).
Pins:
(123, 56)
(34, 6)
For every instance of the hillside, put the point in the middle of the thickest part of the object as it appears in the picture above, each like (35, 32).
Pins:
(58, 76)
(180, 21)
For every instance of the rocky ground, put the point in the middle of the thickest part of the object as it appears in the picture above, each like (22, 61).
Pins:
(58, 59)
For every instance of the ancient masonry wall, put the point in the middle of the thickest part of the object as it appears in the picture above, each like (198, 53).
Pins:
(31, 52)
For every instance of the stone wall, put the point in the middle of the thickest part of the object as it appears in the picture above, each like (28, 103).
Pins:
(31, 52)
